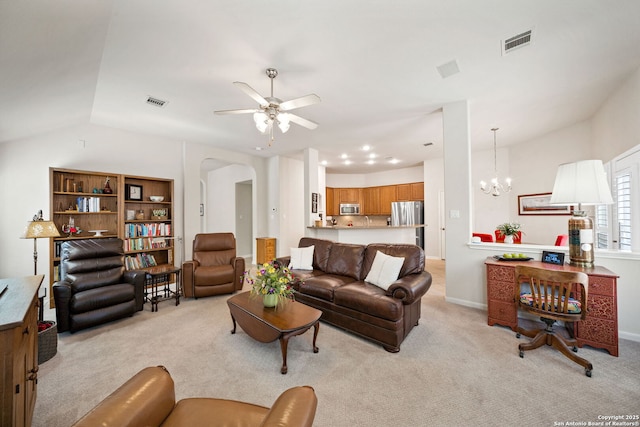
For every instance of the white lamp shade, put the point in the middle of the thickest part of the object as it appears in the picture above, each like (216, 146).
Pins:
(583, 182)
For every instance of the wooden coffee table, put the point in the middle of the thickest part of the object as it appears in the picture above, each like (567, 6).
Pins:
(267, 324)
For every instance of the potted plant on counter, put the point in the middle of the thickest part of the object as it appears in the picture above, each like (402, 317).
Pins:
(508, 230)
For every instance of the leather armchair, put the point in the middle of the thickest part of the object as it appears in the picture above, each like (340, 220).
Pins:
(215, 268)
(94, 286)
(148, 399)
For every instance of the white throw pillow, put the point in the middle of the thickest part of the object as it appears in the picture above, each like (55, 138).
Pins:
(301, 258)
(384, 270)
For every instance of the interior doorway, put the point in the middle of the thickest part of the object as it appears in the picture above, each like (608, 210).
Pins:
(244, 219)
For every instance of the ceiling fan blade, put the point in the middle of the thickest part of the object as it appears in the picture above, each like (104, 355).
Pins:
(252, 93)
(303, 101)
(247, 111)
(302, 122)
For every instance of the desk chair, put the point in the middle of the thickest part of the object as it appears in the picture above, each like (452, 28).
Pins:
(484, 237)
(553, 295)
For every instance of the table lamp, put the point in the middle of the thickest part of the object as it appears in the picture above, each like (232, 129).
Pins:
(36, 229)
(581, 183)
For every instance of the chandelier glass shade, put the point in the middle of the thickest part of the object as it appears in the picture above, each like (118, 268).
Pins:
(495, 187)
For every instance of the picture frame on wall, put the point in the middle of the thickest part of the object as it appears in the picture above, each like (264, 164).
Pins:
(133, 192)
(540, 204)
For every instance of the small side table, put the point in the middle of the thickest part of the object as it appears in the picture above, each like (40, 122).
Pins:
(159, 277)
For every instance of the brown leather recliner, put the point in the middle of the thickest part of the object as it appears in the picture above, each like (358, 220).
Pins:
(148, 399)
(215, 268)
(94, 286)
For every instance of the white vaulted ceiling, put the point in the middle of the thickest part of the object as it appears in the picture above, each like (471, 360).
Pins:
(372, 62)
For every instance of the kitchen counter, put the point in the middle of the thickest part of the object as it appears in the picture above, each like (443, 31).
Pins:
(364, 235)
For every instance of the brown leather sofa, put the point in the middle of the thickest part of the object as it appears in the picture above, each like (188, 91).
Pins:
(148, 399)
(94, 286)
(215, 268)
(336, 286)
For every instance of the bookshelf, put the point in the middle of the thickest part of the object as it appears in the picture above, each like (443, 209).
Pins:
(147, 224)
(83, 208)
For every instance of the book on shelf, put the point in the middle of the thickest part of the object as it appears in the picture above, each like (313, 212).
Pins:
(88, 204)
(146, 243)
(148, 230)
(138, 261)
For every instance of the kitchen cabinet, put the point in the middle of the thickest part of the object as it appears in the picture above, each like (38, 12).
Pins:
(350, 195)
(332, 207)
(410, 192)
(417, 191)
(371, 205)
(387, 196)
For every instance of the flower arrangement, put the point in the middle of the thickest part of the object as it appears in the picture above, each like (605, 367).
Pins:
(508, 228)
(272, 278)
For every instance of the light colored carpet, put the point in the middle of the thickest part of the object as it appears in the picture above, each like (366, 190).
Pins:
(452, 370)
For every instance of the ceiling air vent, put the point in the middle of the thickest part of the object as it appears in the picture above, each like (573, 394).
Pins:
(155, 101)
(515, 42)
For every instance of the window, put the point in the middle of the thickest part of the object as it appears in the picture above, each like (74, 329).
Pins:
(623, 230)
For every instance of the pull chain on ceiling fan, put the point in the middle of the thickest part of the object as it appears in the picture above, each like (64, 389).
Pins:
(273, 110)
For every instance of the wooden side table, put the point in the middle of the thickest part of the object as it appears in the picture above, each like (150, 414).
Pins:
(159, 277)
(600, 327)
(265, 249)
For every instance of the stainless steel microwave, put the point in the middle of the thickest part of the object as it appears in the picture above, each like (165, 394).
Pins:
(349, 209)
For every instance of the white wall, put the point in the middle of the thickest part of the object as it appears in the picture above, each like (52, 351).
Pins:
(616, 126)
(24, 178)
(374, 179)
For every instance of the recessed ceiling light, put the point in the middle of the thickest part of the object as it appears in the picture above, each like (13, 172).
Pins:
(347, 162)
(371, 162)
(258, 148)
(343, 156)
(394, 161)
(324, 162)
(372, 156)
(366, 147)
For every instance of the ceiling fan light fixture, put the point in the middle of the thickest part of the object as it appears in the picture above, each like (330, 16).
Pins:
(283, 122)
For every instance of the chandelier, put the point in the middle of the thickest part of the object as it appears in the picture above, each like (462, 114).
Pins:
(495, 188)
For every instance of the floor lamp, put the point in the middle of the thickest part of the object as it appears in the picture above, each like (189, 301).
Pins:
(581, 183)
(36, 229)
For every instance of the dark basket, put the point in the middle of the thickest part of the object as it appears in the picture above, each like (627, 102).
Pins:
(47, 343)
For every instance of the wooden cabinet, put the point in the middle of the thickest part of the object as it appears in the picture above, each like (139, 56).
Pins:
(265, 249)
(410, 192)
(600, 327)
(417, 191)
(387, 196)
(350, 195)
(371, 201)
(83, 206)
(147, 224)
(19, 355)
(332, 207)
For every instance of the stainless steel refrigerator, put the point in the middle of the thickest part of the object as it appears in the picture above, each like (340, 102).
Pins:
(409, 213)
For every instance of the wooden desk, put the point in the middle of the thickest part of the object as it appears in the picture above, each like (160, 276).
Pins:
(599, 329)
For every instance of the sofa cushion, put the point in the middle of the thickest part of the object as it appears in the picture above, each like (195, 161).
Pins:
(413, 257)
(384, 270)
(323, 286)
(346, 260)
(369, 299)
(321, 251)
(302, 258)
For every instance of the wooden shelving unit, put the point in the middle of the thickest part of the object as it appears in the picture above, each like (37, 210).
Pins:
(78, 200)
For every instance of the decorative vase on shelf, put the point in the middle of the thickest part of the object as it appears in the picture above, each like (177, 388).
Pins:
(107, 188)
(508, 239)
(270, 300)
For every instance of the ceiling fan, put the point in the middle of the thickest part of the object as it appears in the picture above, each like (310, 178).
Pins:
(273, 110)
